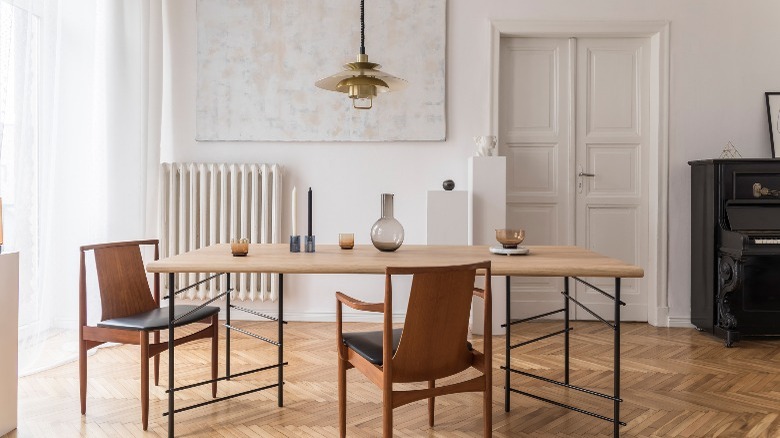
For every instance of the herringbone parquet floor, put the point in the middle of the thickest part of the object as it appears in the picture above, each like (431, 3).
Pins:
(675, 383)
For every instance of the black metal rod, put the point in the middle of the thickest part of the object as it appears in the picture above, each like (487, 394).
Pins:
(187, 408)
(550, 335)
(230, 327)
(565, 385)
(280, 395)
(617, 358)
(175, 321)
(227, 330)
(171, 292)
(585, 308)
(362, 28)
(171, 303)
(518, 321)
(599, 290)
(219, 379)
(508, 347)
(582, 411)
(566, 328)
(256, 313)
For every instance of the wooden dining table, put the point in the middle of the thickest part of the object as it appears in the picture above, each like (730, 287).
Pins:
(541, 261)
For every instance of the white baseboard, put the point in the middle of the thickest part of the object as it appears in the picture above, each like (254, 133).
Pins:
(661, 317)
(679, 322)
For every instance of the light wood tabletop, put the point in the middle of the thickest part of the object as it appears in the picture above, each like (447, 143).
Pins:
(541, 261)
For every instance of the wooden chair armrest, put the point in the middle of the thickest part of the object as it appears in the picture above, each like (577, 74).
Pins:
(478, 292)
(359, 305)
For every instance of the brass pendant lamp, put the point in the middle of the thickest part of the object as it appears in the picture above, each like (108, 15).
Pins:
(362, 80)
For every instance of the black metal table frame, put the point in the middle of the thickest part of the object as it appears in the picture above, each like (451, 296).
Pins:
(615, 326)
(172, 320)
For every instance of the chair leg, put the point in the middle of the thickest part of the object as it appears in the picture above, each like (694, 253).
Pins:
(342, 382)
(487, 408)
(214, 354)
(431, 403)
(157, 361)
(144, 379)
(83, 375)
(387, 412)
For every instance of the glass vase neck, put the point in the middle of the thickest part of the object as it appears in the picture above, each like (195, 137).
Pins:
(387, 205)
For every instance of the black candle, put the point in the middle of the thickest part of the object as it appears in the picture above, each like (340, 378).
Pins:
(310, 234)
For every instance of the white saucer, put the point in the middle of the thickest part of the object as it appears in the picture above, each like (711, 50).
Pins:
(520, 250)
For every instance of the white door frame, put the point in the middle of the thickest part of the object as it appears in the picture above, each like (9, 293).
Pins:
(658, 31)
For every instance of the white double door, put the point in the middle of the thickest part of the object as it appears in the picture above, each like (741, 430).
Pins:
(574, 126)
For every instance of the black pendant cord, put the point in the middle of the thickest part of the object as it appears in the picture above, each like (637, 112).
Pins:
(362, 28)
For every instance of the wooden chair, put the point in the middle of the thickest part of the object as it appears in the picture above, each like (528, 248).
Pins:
(131, 312)
(431, 345)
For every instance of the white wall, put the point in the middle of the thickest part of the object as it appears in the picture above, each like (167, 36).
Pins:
(723, 59)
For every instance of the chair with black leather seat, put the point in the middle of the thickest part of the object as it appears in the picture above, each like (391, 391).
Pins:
(431, 345)
(130, 312)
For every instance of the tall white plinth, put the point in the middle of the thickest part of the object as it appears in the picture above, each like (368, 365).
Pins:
(9, 340)
(448, 217)
(487, 212)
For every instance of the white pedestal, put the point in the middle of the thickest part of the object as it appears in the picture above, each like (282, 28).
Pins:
(487, 212)
(9, 340)
(448, 217)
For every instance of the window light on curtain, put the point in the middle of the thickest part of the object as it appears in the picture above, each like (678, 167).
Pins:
(80, 128)
(20, 50)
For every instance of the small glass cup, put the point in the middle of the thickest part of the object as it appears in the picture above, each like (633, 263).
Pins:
(346, 240)
(239, 247)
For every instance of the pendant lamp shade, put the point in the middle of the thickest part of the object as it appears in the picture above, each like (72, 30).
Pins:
(361, 80)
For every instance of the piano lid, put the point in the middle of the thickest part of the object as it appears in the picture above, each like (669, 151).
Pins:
(753, 215)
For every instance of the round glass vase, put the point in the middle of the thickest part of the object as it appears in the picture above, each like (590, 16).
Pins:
(387, 234)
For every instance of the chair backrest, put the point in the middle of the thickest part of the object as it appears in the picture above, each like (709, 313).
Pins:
(124, 289)
(433, 343)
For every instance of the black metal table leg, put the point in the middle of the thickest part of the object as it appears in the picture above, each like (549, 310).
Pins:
(617, 359)
(227, 327)
(171, 300)
(566, 334)
(280, 396)
(508, 344)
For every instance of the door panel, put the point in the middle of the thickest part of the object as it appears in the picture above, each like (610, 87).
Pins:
(612, 88)
(616, 167)
(540, 222)
(534, 69)
(612, 205)
(533, 169)
(534, 136)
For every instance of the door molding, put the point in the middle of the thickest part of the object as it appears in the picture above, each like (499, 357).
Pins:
(658, 32)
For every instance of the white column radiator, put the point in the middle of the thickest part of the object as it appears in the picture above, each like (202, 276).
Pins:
(206, 203)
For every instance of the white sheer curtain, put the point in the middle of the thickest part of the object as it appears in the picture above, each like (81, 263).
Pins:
(98, 153)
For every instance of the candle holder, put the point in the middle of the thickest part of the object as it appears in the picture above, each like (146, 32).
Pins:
(295, 243)
(308, 243)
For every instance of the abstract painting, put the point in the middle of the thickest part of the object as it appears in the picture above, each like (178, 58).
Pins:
(258, 60)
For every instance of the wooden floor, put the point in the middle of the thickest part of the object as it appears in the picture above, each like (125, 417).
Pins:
(675, 383)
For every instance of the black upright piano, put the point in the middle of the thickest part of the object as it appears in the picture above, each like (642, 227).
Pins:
(735, 247)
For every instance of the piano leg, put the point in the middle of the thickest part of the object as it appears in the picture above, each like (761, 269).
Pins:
(729, 336)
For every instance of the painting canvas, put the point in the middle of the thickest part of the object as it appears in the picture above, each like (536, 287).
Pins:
(258, 60)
